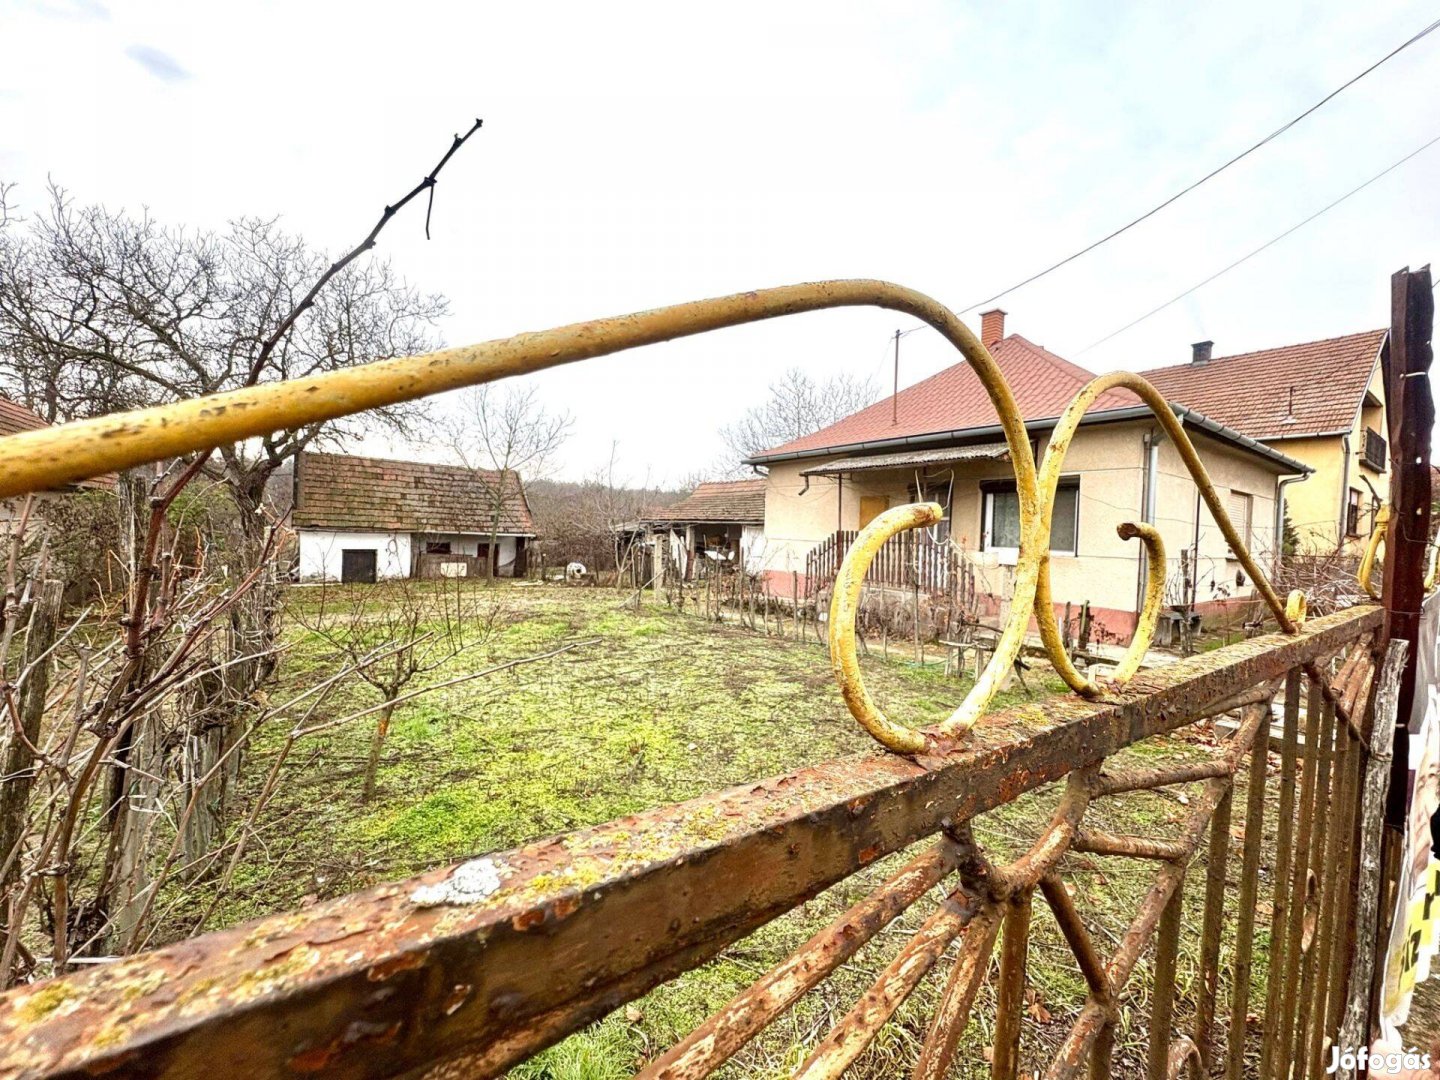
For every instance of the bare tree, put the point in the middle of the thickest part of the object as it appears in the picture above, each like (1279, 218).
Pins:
(101, 310)
(579, 520)
(416, 629)
(796, 405)
(504, 437)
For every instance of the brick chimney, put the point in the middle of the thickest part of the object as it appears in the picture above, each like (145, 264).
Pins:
(1200, 352)
(992, 326)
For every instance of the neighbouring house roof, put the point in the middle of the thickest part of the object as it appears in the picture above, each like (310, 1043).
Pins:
(955, 399)
(917, 459)
(358, 494)
(1291, 392)
(740, 502)
(953, 406)
(16, 418)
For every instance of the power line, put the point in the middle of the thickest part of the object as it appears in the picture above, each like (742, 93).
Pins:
(1210, 175)
(1268, 244)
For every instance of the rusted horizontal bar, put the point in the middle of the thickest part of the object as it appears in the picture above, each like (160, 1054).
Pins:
(1096, 842)
(1114, 781)
(519, 949)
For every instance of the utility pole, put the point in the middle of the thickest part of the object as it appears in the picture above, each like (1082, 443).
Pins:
(895, 394)
(1405, 362)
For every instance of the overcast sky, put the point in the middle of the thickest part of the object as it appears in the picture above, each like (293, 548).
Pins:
(638, 155)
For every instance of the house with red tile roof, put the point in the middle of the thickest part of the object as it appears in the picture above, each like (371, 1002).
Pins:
(1320, 402)
(940, 440)
(359, 519)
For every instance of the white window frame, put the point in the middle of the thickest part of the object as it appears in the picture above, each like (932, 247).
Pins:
(1009, 556)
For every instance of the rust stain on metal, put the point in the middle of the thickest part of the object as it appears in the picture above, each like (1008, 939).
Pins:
(357, 1035)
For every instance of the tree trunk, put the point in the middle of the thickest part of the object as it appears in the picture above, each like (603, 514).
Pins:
(382, 728)
(15, 791)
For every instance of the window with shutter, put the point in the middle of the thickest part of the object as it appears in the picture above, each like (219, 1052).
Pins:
(1242, 510)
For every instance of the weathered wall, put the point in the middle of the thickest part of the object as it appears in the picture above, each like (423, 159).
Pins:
(1316, 504)
(469, 544)
(1220, 577)
(320, 553)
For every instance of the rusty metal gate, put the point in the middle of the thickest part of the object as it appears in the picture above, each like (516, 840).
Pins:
(470, 969)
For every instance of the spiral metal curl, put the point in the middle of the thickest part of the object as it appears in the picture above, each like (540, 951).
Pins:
(1032, 594)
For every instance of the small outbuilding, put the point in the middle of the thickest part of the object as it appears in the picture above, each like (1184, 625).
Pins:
(360, 519)
(721, 522)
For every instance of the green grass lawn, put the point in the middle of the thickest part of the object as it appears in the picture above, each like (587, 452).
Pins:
(659, 708)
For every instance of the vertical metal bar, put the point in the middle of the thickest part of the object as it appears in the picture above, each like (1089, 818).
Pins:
(1249, 884)
(1162, 1010)
(1280, 899)
(1279, 1044)
(1312, 941)
(1218, 861)
(1010, 992)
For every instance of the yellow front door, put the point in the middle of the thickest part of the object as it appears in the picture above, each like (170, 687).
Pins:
(871, 507)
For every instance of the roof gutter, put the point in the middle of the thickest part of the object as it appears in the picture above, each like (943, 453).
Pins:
(1204, 423)
(1110, 416)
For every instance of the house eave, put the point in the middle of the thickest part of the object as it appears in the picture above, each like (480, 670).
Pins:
(989, 431)
(311, 526)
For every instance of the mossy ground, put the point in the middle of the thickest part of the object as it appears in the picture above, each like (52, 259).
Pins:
(660, 708)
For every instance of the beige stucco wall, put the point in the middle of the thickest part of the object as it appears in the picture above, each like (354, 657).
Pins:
(1316, 504)
(1109, 461)
(1185, 521)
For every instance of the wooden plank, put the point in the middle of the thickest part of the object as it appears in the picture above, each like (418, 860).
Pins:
(1355, 1027)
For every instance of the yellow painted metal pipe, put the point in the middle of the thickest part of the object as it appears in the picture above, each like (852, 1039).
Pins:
(1049, 479)
(1372, 551)
(35, 460)
(845, 606)
(1154, 597)
(1297, 607)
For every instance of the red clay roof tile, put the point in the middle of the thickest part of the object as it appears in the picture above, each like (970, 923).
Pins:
(738, 501)
(16, 418)
(955, 399)
(1252, 392)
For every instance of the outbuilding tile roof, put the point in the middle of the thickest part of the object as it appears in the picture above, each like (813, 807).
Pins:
(16, 418)
(1297, 390)
(740, 502)
(955, 399)
(339, 491)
